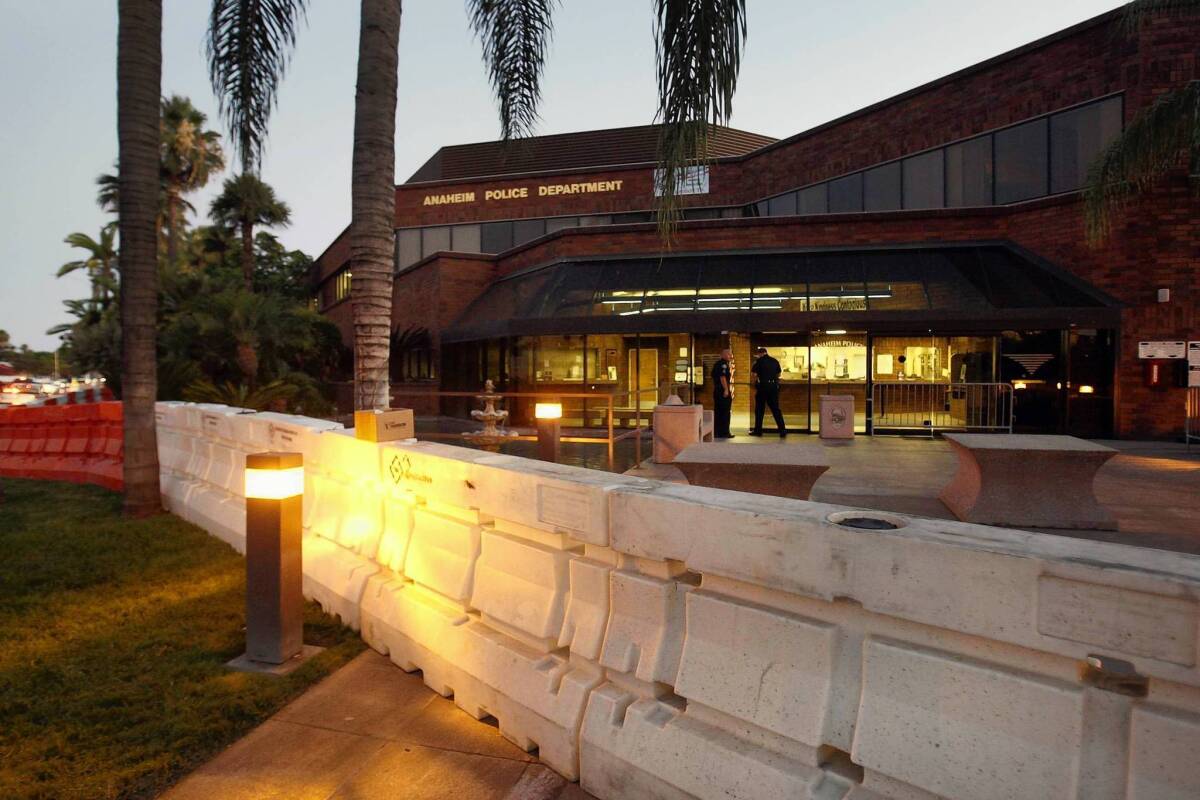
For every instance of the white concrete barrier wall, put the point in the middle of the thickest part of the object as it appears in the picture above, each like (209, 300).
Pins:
(670, 642)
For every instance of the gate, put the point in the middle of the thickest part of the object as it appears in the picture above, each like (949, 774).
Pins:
(898, 406)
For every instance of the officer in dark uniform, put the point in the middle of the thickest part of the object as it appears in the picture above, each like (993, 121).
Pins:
(766, 391)
(722, 379)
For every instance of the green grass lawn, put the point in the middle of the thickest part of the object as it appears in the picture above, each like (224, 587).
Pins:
(113, 640)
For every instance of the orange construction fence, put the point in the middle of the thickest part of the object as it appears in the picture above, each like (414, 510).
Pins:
(80, 443)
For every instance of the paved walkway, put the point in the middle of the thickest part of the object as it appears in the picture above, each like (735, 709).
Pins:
(1153, 488)
(371, 731)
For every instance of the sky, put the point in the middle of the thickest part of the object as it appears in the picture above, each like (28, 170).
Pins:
(804, 64)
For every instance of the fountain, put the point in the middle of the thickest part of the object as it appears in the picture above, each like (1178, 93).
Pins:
(490, 437)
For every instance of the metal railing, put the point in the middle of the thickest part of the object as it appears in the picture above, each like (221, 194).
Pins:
(931, 407)
(1191, 421)
(604, 406)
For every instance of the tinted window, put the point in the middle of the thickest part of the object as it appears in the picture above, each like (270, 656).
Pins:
(434, 239)
(782, 206)
(465, 238)
(495, 237)
(813, 200)
(1077, 137)
(408, 247)
(881, 188)
(1022, 162)
(558, 223)
(924, 180)
(596, 219)
(846, 194)
(525, 230)
(969, 173)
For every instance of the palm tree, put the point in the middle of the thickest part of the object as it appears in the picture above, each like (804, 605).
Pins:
(1154, 143)
(99, 264)
(190, 156)
(373, 200)
(139, 80)
(244, 202)
(249, 44)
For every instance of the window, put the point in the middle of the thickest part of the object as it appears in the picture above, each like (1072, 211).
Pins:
(408, 247)
(1077, 137)
(559, 223)
(495, 237)
(434, 240)
(969, 173)
(846, 194)
(782, 206)
(813, 200)
(525, 230)
(924, 180)
(341, 286)
(1022, 163)
(881, 188)
(595, 219)
(464, 238)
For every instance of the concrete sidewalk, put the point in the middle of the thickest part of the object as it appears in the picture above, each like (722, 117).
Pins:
(372, 731)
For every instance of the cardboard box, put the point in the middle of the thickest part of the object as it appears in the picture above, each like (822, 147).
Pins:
(384, 426)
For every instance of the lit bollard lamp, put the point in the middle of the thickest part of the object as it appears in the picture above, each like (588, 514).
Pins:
(274, 571)
(549, 430)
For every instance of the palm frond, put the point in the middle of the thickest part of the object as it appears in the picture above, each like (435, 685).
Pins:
(248, 48)
(1138, 11)
(698, 49)
(515, 35)
(1150, 146)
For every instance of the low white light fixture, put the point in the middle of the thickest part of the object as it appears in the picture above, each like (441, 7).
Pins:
(1164, 295)
(1085, 389)
(1020, 385)
(547, 410)
(274, 484)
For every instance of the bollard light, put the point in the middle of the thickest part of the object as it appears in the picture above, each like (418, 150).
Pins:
(274, 599)
(549, 428)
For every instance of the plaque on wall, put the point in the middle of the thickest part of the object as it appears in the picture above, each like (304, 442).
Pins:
(1162, 349)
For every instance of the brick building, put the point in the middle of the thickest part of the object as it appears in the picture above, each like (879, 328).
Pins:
(934, 239)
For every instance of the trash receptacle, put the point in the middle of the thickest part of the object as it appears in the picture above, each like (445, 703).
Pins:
(837, 416)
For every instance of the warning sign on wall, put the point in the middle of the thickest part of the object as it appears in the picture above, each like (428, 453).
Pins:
(1193, 357)
(1162, 349)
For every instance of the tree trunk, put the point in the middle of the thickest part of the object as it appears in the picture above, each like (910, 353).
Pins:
(172, 224)
(373, 200)
(248, 255)
(139, 78)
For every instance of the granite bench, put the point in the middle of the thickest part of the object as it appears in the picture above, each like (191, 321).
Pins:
(784, 470)
(1027, 480)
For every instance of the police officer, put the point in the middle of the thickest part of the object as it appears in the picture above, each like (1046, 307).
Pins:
(766, 391)
(722, 379)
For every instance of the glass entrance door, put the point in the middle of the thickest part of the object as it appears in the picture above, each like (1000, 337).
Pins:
(839, 366)
(792, 352)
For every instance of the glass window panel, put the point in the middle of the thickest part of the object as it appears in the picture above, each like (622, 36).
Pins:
(558, 359)
(760, 208)
(595, 219)
(572, 291)
(495, 237)
(782, 206)
(525, 230)
(881, 188)
(620, 287)
(846, 194)
(780, 284)
(632, 217)
(969, 173)
(813, 200)
(434, 240)
(408, 247)
(673, 287)
(1077, 137)
(836, 282)
(924, 180)
(725, 286)
(465, 238)
(1022, 162)
(559, 223)
(895, 281)
(701, 213)
(732, 213)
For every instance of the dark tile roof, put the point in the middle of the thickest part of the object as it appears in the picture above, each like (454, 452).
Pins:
(564, 151)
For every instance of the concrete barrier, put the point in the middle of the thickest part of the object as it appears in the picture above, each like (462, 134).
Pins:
(670, 641)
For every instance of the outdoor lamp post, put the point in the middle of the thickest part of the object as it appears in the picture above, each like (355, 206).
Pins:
(549, 427)
(274, 602)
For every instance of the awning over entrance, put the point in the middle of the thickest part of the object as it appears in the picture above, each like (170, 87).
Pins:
(969, 287)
